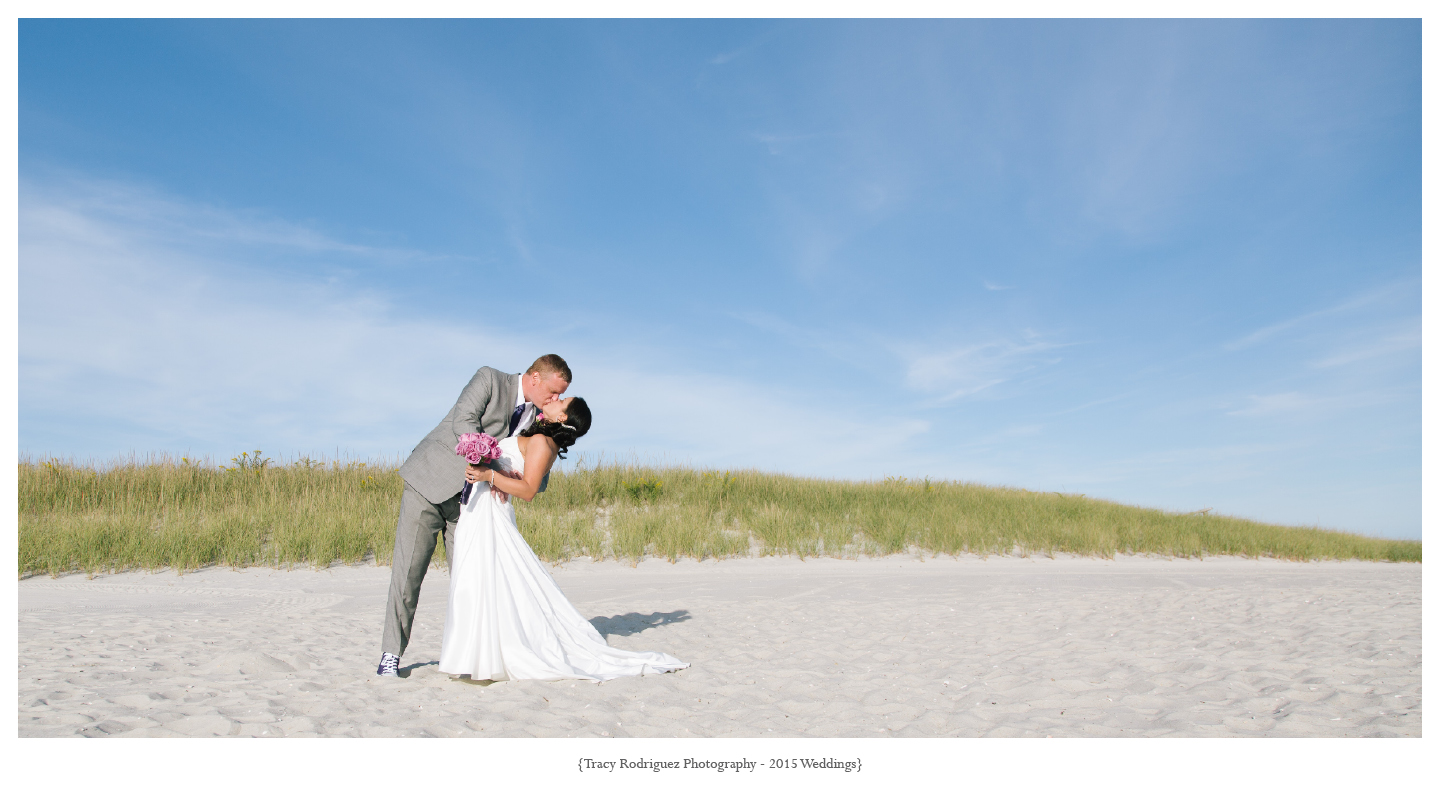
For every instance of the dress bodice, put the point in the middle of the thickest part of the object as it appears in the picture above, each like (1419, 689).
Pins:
(510, 457)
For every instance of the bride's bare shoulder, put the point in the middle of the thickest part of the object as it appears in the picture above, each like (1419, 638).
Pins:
(527, 444)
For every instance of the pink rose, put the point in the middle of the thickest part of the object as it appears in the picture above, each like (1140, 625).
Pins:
(477, 447)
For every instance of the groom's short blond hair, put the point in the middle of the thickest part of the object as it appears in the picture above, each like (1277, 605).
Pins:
(550, 364)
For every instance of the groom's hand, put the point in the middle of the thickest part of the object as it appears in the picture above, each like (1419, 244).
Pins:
(504, 497)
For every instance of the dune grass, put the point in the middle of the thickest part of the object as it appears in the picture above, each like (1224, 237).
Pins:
(163, 513)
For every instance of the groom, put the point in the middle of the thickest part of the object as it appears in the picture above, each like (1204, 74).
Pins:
(495, 403)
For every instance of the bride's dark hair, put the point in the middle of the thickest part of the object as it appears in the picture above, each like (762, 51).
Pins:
(575, 425)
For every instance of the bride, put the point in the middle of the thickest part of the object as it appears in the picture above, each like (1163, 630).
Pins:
(507, 619)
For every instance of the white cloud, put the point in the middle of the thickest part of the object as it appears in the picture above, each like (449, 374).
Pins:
(96, 210)
(722, 422)
(852, 347)
(1303, 406)
(754, 43)
(778, 144)
(133, 338)
(1276, 404)
(128, 338)
(972, 368)
(1382, 296)
(1007, 434)
(1405, 342)
(935, 375)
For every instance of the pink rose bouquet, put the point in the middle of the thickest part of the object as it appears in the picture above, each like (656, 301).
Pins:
(477, 448)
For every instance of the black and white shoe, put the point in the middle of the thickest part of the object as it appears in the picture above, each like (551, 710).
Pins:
(389, 665)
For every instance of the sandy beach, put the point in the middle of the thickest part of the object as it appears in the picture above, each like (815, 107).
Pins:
(779, 647)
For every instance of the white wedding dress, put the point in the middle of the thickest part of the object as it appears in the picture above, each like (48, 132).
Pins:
(507, 619)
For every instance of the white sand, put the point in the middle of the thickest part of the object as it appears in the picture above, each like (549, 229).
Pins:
(779, 647)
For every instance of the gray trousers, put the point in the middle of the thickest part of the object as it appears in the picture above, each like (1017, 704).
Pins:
(415, 535)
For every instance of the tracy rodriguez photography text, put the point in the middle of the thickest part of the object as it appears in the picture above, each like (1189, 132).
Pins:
(586, 765)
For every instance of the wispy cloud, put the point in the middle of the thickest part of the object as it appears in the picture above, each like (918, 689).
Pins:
(725, 422)
(94, 207)
(846, 345)
(942, 375)
(1276, 404)
(1007, 434)
(1191, 465)
(1093, 403)
(1137, 156)
(757, 41)
(1367, 299)
(133, 341)
(122, 322)
(778, 144)
(938, 375)
(971, 368)
(1404, 341)
(1305, 406)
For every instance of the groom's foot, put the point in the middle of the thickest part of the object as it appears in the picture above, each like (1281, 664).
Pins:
(389, 665)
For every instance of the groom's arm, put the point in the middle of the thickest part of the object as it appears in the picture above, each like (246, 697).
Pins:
(470, 407)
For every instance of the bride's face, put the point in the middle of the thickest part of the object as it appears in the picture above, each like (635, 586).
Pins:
(555, 410)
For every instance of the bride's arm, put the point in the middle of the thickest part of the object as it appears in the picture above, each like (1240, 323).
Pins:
(539, 456)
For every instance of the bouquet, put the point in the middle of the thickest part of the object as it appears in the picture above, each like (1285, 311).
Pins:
(477, 448)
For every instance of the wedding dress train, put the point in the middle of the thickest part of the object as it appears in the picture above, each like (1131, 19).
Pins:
(507, 619)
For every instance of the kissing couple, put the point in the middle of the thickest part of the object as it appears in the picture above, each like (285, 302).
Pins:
(506, 617)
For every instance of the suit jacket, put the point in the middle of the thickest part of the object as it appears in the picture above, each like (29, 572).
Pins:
(433, 469)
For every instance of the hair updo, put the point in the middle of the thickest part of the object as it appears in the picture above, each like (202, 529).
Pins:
(575, 425)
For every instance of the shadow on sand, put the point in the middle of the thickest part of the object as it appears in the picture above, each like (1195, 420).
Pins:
(406, 670)
(632, 623)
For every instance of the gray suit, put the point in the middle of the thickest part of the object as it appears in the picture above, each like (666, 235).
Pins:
(430, 503)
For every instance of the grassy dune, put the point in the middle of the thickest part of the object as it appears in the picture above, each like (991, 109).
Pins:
(160, 512)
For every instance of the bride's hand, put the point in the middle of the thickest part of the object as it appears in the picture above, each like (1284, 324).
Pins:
(472, 473)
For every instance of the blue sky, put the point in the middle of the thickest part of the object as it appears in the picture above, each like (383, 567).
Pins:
(1171, 263)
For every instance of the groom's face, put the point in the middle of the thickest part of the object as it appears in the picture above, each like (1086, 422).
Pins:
(541, 389)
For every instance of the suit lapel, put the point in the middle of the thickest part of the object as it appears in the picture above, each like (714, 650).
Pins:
(508, 392)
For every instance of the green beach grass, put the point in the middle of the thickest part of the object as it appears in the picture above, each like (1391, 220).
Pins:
(159, 513)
